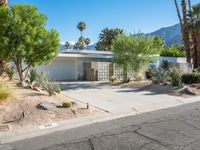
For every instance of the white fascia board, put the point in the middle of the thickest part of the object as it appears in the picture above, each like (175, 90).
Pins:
(83, 56)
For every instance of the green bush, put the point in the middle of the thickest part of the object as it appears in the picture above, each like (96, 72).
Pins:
(10, 72)
(191, 78)
(162, 76)
(57, 88)
(42, 80)
(113, 79)
(149, 74)
(52, 88)
(176, 77)
(67, 104)
(4, 92)
(33, 75)
(173, 52)
(165, 65)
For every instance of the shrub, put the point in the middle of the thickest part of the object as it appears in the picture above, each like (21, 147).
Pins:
(113, 79)
(10, 72)
(4, 92)
(191, 78)
(162, 76)
(33, 75)
(173, 52)
(176, 77)
(42, 80)
(165, 65)
(52, 88)
(57, 88)
(67, 104)
(149, 74)
(138, 77)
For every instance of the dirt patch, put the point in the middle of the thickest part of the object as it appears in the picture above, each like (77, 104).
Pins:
(20, 111)
(149, 86)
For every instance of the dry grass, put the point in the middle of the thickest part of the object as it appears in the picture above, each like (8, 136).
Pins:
(4, 92)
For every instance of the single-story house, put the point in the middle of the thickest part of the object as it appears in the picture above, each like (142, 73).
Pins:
(68, 65)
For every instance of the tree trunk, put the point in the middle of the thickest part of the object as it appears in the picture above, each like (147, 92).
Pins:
(186, 35)
(179, 15)
(198, 50)
(19, 71)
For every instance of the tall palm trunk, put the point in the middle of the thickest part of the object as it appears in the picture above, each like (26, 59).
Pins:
(186, 35)
(179, 15)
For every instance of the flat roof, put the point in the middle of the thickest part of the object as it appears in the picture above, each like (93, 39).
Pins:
(86, 54)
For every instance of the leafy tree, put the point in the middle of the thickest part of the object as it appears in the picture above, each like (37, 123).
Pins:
(135, 52)
(106, 38)
(24, 39)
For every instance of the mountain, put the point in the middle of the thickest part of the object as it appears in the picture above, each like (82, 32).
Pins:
(171, 35)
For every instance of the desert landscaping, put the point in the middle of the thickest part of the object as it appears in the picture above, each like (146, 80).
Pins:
(26, 107)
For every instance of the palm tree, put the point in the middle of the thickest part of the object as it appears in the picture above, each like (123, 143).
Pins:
(186, 34)
(194, 24)
(184, 27)
(87, 41)
(67, 45)
(78, 45)
(81, 26)
(106, 38)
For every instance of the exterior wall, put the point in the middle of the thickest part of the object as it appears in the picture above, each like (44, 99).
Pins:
(67, 68)
(60, 69)
(81, 61)
(171, 60)
(176, 62)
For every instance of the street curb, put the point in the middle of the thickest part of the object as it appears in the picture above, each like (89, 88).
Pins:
(9, 137)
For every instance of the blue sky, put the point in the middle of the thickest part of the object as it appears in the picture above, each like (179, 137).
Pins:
(131, 15)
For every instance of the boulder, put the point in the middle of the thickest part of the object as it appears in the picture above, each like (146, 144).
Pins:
(188, 91)
(47, 106)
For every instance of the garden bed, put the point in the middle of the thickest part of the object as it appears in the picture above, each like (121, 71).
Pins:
(21, 109)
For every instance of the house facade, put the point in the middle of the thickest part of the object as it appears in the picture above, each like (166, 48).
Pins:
(69, 64)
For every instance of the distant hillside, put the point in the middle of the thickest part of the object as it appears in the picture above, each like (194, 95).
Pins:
(171, 35)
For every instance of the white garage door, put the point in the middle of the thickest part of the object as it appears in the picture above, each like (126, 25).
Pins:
(60, 70)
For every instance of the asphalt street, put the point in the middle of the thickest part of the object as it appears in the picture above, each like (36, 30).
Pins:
(175, 128)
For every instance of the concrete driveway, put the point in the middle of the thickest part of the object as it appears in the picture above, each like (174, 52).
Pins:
(117, 100)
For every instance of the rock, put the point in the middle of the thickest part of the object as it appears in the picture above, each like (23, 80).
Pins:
(188, 91)
(38, 89)
(47, 106)
(4, 128)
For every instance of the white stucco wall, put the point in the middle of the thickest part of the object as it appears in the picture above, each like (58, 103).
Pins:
(171, 60)
(66, 68)
(60, 69)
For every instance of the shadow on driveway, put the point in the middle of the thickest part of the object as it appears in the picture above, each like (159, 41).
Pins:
(82, 85)
(153, 89)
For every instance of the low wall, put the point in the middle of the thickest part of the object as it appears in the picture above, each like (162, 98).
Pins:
(176, 62)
